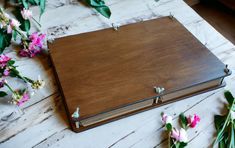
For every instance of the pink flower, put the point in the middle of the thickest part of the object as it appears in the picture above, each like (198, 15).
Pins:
(24, 99)
(31, 52)
(37, 39)
(166, 119)
(34, 46)
(26, 14)
(3, 60)
(180, 136)
(9, 29)
(14, 23)
(6, 72)
(2, 82)
(193, 120)
(19, 97)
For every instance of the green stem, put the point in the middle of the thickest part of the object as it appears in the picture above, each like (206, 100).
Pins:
(225, 123)
(25, 79)
(8, 86)
(24, 37)
(36, 22)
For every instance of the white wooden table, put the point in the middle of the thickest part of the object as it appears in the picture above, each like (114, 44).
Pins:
(44, 124)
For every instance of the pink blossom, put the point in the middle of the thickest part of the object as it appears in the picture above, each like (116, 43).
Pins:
(37, 39)
(193, 120)
(9, 29)
(180, 136)
(2, 82)
(166, 119)
(6, 72)
(3, 60)
(25, 98)
(14, 23)
(31, 52)
(26, 14)
(34, 46)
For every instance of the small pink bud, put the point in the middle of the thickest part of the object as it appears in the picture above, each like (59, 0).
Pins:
(26, 14)
(193, 120)
(166, 119)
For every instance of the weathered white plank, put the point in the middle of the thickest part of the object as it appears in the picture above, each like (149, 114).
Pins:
(44, 125)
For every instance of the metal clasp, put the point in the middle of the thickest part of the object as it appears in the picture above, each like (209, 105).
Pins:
(115, 26)
(159, 91)
(75, 117)
(171, 16)
(226, 70)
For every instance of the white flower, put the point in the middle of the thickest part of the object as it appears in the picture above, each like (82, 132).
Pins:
(26, 14)
(183, 136)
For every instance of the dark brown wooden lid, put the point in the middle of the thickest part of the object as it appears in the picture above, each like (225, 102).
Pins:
(106, 69)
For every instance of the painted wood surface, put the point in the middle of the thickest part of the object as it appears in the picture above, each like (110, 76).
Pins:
(42, 122)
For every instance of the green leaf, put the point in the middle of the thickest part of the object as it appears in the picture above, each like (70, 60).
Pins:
(14, 34)
(5, 39)
(168, 126)
(10, 63)
(222, 144)
(25, 25)
(25, 4)
(3, 94)
(228, 95)
(182, 145)
(232, 137)
(183, 121)
(34, 2)
(219, 121)
(104, 10)
(42, 6)
(100, 6)
(14, 72)
(95, 3)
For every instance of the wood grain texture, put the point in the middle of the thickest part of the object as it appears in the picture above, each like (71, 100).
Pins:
(105, 70)
(143, 130)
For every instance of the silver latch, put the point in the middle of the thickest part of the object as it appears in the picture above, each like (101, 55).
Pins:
(226, 70)
(75, 117)
(115, 26)
(159, 91)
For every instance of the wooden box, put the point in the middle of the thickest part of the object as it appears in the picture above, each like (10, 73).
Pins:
(110, 74)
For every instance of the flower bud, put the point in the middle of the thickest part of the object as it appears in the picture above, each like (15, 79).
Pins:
(26, 14)
(166, 119)
(14, 23)
(193, 120)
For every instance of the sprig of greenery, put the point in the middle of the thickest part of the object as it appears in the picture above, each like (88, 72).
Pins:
(225, 125)
(5, 39)
(100, 6)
